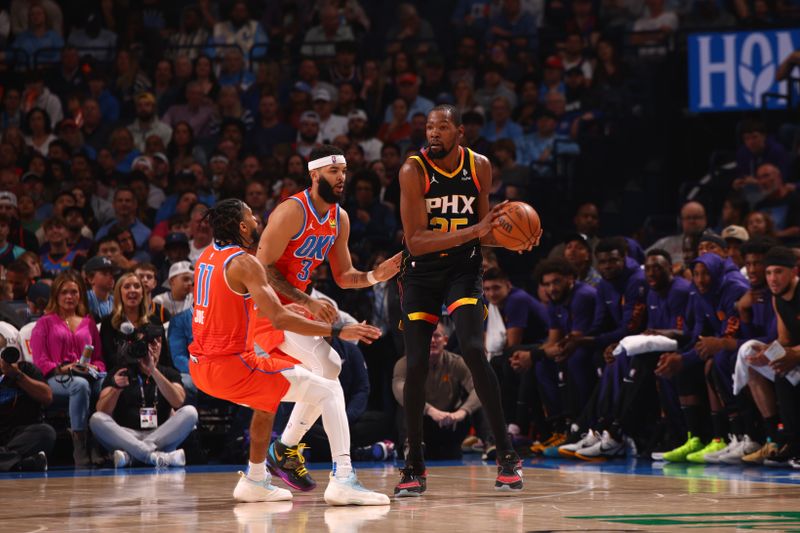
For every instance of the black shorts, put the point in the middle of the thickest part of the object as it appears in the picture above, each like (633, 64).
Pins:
(448, 281)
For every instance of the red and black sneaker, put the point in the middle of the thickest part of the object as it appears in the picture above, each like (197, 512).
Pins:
(411, 484)
(509, 473)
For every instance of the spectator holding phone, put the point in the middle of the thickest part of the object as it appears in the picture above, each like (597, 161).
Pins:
(58, 340)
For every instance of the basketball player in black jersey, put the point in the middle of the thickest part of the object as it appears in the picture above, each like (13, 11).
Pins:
(444, 206)
(781, 272)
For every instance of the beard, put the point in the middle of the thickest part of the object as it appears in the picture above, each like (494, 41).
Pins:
(783, 291)
(254, 237)
(310, 139)
(327, 193)
(440, 154)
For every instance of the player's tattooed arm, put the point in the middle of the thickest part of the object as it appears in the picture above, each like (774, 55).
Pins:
(282, 286)
(357, 279)
(319, 308)
(347, 276)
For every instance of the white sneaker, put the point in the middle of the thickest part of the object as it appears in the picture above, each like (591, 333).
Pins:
(746, 446)
(350, 492)
(177, 458)
(607, 447)
(714, 457)
(250, 491)
(158, 459)
(121, 459)
(589, 439)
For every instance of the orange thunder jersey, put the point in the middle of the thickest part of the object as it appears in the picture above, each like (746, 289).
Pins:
(221, 317)
(310, 246)
(304, 252)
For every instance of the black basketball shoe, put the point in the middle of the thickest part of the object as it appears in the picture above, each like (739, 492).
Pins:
(288, 463)
(509, 473)
(411, 484)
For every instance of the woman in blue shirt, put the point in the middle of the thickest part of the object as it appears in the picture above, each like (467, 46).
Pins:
(39, 37)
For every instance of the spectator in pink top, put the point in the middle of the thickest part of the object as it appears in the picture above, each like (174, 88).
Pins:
(57, 342)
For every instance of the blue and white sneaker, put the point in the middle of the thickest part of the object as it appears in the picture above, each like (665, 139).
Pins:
(250, 491)
(350, 492)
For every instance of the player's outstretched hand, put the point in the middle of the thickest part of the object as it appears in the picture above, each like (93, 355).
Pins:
(389, 268)
(360, 332)
(322, 310)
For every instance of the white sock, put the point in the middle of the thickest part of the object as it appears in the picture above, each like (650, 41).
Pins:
(342, 467)
(257, 471)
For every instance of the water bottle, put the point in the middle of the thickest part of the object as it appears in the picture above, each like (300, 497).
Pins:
(86, 356)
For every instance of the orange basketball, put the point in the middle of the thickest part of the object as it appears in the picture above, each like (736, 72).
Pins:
(517, 224)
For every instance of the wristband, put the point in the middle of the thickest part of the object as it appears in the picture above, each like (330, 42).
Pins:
(336, 330)
(371, 278)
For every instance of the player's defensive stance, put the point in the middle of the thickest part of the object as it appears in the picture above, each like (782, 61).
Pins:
(301, 233)
(230, 287)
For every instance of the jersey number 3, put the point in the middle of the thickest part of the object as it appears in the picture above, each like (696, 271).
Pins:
(304, 272)
(445, 225)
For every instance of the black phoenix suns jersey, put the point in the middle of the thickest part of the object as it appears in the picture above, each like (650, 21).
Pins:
(451, 198)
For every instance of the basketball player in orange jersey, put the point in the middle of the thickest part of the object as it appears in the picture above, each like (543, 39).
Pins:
(301, 233)
(444, 206)
(230, 287)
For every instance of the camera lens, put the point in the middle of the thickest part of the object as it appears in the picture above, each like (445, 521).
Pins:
(10, 354)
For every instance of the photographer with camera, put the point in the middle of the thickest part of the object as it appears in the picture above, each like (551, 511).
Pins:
(66, 348)
(133, 413)
(24, 440)
(132, 307)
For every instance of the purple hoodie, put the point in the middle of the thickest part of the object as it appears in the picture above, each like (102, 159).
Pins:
(715, 312)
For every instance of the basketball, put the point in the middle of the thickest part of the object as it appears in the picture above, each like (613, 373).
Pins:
(518, 223)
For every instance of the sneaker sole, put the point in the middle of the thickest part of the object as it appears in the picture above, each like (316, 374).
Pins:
(362, 503)
(675, 459)
(507, 488)
(285, 478)
(407, 494)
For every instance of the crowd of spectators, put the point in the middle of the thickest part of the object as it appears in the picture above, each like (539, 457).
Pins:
(123, 122)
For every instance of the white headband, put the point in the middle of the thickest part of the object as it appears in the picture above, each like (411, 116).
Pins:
(327, 160)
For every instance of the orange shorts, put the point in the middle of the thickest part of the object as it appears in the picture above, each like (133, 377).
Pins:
(245, 379)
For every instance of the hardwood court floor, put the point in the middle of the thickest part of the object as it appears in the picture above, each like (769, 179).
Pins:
(559, 495)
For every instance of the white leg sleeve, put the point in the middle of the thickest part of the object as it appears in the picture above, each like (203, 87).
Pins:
(307, 388)
(314, 353)
(318, 357)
